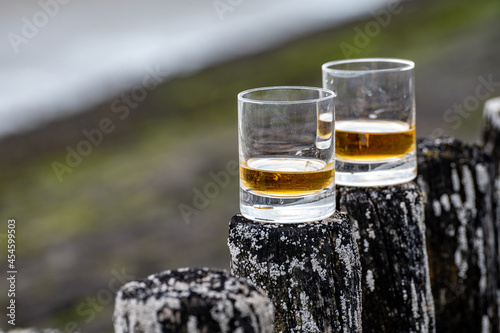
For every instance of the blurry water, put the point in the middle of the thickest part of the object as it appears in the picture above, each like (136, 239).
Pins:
(60, 56)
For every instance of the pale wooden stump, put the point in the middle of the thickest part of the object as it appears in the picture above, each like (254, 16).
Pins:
(194, 301)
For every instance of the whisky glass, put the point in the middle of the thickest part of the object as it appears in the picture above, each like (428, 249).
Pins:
(375, 141)
(286, 154)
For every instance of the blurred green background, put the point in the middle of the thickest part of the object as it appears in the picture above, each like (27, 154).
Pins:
(132, 206)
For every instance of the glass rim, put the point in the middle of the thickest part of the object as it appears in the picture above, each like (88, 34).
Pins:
(405, 65)
(330, 95)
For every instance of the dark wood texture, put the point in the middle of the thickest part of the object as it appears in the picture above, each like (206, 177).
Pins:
(192, 300)
(462, 236)
(310, 271)
(389, 228)
(491, 145)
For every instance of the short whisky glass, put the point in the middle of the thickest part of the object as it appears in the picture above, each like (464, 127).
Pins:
(286, 154)
(375, 142)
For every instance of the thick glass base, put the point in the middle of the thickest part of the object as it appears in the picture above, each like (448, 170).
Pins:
(275, 209)
(366, 174)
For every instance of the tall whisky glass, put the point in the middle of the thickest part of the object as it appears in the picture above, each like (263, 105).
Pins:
(375, 141)
(286, 154)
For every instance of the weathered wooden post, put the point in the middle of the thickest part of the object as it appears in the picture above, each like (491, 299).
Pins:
(310, 271)
(462, 186)
(390, 232)
(491, 144)
(462, 237)
(461, 183)
(192, 300)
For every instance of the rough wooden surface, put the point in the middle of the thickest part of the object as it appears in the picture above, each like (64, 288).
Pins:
(462, 235)
(389, 229)
(491, 144)
(193, 301)
(311, 271)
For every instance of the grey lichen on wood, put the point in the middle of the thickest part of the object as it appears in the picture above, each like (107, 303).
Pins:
(389, 229)
(194, 301)
(311, 271)
(462, 235)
